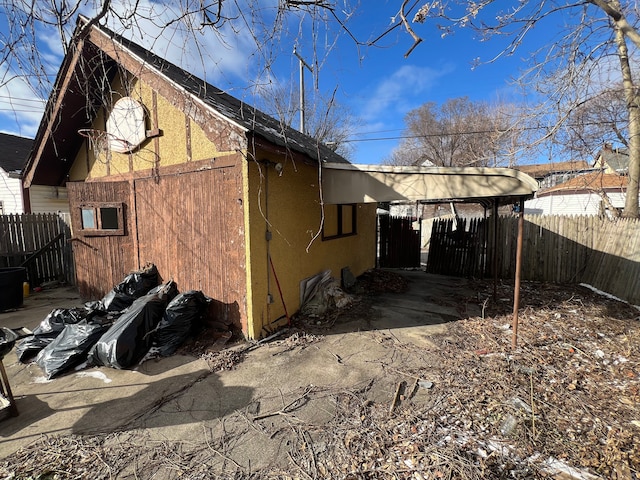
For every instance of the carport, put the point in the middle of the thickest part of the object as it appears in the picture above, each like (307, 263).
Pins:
(490, 187)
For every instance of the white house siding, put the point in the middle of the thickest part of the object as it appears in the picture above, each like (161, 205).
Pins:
(10, 194)
(574, 204)
(46, 199)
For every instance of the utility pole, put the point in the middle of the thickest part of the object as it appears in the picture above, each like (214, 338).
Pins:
(303, 65)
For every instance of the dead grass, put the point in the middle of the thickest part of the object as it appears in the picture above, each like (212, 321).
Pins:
(567, 397)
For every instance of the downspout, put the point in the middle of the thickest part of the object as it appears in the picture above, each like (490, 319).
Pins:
(267, 235)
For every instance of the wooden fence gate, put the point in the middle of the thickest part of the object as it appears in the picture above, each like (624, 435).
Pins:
(399, 242)
(40, 243)
(458, 248)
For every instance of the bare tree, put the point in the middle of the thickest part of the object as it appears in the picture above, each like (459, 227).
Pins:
(458, 133)
(599, 121)
(327, 121)
(573, 67)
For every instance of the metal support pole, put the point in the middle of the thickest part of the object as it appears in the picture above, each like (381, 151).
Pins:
(516, 288)
(301, 95)
(303, 65)
(495, 250)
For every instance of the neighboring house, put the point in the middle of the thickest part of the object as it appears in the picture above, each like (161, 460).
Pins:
(551, 174)
(613, 160)
(221, 197)
(589, 194)
(13, 197)
(14, 151)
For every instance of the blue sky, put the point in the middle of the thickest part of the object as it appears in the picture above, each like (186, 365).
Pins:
(377, 84)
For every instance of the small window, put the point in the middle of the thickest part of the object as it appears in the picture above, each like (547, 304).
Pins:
(339, 221)
(102, 219)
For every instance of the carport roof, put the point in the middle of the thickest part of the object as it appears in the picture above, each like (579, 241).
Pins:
(346, 183)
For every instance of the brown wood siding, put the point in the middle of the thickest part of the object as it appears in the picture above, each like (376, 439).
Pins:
(101, 262)
(191, 226)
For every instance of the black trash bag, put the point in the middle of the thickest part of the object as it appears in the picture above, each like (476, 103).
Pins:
(7, 339)
(134, 286)
(70, 347)
(168, 290)
(129, 338)
(49, 329)
(182, 317)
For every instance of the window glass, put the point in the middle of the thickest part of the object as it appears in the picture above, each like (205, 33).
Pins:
(88, 218)
(347, 219)
(330, 228)
(102, 219)
(339, 221)
(109, 218)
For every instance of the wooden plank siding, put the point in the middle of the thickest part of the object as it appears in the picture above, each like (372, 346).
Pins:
(22, 236)
(101, 261)
(190, 226)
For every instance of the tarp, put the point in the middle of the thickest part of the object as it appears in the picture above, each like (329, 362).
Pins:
(129, 338)
(49, 329)
(134, 286)
(182, 317)
(69, 348)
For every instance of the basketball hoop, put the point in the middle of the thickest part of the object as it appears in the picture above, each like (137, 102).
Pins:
(101, 141)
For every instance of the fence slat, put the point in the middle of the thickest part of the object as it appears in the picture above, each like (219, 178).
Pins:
(22, 235)
(603, 253)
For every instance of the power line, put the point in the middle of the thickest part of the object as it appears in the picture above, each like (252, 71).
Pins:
(453, 134)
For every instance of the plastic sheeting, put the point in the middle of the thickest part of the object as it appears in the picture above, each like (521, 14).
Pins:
(129, 338)
(45, 333)
(182, 318)
(134, 286)
(69, 348)
(7, 339)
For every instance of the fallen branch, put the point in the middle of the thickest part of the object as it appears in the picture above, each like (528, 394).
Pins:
(396, 398)
(284, 410)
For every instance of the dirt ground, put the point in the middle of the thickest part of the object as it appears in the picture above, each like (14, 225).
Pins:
(416, 379)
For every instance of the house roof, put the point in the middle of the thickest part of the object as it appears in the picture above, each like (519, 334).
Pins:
(589, 182)
(76, 96)
(543, 169)
(14, 152)
(617, 159)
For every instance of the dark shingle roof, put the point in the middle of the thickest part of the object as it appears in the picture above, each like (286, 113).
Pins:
(14, 152)
(234, 109)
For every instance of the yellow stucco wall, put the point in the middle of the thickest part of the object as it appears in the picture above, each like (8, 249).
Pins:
(171, 145)
(290, 201)
(291, 204)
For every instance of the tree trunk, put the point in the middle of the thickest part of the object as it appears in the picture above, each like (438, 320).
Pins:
(633, 106)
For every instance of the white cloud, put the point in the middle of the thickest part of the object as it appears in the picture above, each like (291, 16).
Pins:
(403, 90)
(20, 109)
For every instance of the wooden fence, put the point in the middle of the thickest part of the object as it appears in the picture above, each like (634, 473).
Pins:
(575, 249)
(38, 242)
(457, 251)
(560, 249)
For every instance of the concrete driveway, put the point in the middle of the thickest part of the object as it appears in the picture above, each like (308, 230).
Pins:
(180, 399)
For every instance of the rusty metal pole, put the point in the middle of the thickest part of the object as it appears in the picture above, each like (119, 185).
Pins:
(516, 288)
(495, 249)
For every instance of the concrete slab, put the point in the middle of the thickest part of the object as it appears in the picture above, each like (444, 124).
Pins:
(180, 399)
